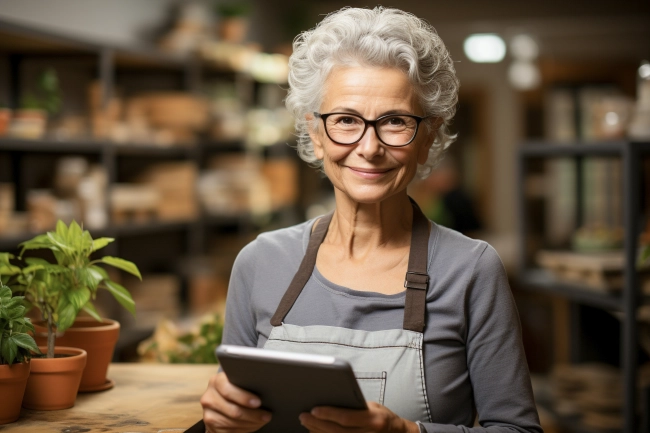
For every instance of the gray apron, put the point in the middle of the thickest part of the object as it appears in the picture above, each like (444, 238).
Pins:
(387, 364)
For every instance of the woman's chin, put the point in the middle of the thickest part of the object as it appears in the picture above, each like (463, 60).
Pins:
(369, 194)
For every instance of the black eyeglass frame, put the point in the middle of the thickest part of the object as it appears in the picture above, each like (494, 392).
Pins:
(372, 123)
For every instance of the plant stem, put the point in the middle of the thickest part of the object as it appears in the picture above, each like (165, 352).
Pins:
(51, 336)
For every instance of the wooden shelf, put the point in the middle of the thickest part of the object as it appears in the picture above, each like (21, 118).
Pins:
(532, 149)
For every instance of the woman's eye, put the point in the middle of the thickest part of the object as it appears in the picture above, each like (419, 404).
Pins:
(396, 121)
(347, 120)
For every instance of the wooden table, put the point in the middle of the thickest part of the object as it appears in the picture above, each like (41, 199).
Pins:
(146, 398)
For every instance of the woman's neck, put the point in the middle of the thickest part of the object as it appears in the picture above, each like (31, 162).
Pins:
(360, 229)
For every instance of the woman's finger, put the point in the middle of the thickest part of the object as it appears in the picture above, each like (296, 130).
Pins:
(316, 425)
(233, 393)
(344, 417)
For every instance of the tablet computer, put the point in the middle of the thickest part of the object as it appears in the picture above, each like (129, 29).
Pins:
(289, 384)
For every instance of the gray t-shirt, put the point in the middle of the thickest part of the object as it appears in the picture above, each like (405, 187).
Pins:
(473, 353)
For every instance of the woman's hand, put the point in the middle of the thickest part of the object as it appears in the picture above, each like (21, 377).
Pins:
(376, 419)
(227, 408)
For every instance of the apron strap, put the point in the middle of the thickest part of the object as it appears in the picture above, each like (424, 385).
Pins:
(417, 277)
(304, 271)
(416, 280)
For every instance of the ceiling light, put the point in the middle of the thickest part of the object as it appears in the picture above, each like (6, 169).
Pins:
(524, 47)
(524, 75)
(485, 48)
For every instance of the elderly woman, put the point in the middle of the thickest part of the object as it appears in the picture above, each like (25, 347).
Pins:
(420, 308)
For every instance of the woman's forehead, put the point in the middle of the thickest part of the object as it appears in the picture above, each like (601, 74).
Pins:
(386, 88)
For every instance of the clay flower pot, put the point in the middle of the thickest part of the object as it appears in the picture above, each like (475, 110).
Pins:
(13, 380)
(53, 382)
(5, 120)
(98, 339)
(28, 124)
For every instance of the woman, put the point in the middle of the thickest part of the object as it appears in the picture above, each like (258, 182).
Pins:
(424, 310)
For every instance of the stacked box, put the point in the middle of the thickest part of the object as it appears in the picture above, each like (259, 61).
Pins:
(176, 185)
(7, 199)
(156, 298)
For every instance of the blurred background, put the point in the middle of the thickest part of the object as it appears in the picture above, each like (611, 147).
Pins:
(161, 123)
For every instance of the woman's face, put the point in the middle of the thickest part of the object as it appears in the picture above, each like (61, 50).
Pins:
(369, 171)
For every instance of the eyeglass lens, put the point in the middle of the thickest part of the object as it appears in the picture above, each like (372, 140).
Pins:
(393, 130)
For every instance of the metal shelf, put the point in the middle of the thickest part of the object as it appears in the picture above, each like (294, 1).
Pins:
(540, 280)
(149, 227)
(536, 149)
(51, 146)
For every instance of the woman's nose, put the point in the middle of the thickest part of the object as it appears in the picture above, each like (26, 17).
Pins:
(369, 145)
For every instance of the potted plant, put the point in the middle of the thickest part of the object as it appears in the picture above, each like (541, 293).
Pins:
(62, 289)
(16, 346)
(233, 20)
(31, 119)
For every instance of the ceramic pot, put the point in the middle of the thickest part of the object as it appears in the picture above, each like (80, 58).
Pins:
(13, 380)
(5, 120)
(28, 124)
(53, 382)
(98, 339)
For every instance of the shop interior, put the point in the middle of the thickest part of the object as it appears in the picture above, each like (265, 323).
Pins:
(161, 124)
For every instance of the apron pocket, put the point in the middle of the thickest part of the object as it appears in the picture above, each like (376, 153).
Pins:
(372, 384)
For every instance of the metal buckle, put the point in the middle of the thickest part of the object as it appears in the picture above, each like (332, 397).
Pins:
(416, 280)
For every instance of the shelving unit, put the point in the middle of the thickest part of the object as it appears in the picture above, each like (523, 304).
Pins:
(629, 300)
(109, 64)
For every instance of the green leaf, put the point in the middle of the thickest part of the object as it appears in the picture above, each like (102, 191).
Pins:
(32, 268)
(74, 234)
(100, 243)
(92, 277)
(645, 254)
(121, 295)
(61, 229)
(90, 309)
(59, 241)
(36, 243)
(5, 257)
(9, 270)
(78, 297)
(25, 341)
(37, 261)
(15, 311)
(9, 350)
(67, 313)
(5, 292)
(122, 264)
(101, 271)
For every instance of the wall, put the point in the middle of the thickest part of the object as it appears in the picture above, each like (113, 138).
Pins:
(115, 21)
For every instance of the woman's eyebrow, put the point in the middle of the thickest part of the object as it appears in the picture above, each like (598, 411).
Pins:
(342, 109)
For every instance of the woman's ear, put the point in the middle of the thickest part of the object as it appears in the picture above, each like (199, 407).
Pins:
(315, 137)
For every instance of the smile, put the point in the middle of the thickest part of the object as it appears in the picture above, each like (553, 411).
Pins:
(369, 173)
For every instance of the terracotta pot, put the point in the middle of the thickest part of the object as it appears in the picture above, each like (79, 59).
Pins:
(13, 380)
(98, 339)
(53, 382)
(5, 119)
(28, 123)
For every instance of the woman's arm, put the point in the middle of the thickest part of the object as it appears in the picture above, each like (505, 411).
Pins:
(240, 324)
(495, 356)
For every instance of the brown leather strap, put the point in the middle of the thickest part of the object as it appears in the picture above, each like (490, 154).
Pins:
(416, 280)
(417, 277)
(304, 271)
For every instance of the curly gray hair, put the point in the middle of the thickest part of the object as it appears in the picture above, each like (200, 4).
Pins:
(379, 37)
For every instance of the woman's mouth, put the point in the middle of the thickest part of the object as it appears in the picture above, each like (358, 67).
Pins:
(369, 173)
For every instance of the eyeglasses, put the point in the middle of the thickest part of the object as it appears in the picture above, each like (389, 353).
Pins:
(395, 130)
